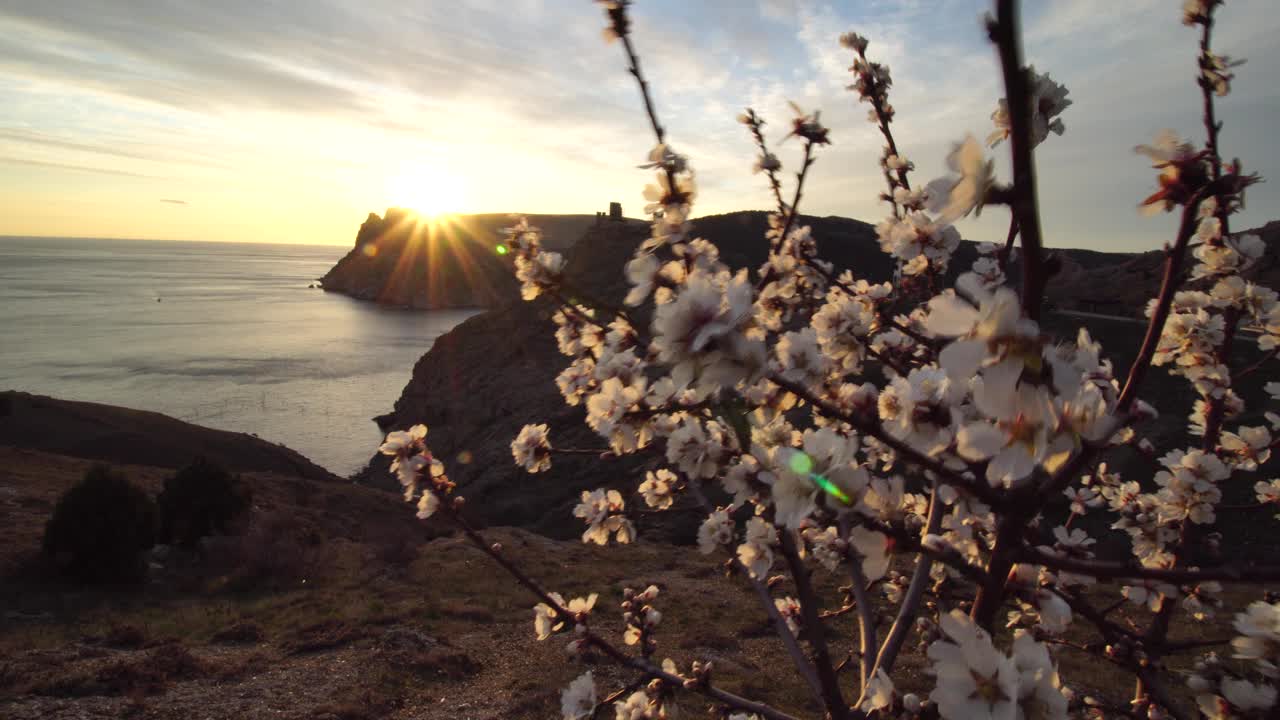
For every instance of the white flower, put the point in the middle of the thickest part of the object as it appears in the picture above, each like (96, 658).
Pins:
(974, 680)
(1021, 437)
(400, 442)
(800, 357)
(427, 505)
(1267, 492)
(599, 509)
(1259, 639)
(641, 272)
(701, 334)
(827, 462)
(756, 552)
(611, 402)
(952, 198)
(872, 547)
(1046, 102)
(1247, 696)
(1250, 448)
(993, 338)
(579, 699)
(920, 408)
(531, 448)
(716, 531)
(1040, 691)
(828, 547)
(842, 324)
(789, 609)
(635, 707)
(538, 274)
(1055, 613)
(879, 692)
(545, 618)
(696, 450)
(659, 488)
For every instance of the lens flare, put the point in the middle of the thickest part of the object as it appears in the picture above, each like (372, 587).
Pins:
(802, 464)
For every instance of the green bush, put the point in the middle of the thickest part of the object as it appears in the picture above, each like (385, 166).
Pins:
(100, 527)
(202, 499)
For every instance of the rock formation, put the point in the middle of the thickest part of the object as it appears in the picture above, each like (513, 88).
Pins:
(403, 259)
(482, 381)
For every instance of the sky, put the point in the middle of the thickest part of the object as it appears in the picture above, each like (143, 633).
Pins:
(289, 121)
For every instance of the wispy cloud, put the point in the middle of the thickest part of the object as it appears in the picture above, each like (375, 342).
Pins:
(298, 113)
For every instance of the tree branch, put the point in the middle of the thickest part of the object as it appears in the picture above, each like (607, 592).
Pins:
(813, 627)
(1005, 34)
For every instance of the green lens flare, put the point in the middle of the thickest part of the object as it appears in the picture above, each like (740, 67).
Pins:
(502, 249)
(832, 489)
(800, 463)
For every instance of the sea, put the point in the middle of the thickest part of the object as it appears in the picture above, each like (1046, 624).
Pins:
(226, 335)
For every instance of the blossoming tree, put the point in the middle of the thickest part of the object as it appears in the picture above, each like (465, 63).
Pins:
(916, 441)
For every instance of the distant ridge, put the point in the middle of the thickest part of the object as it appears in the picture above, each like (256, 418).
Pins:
(138, 437)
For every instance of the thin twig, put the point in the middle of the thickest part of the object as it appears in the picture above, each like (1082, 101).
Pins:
(872, 427)
(1106, 570)
(903, 623)
(802, 664)
(1175, 256)
(648, 668)
(867, 642)
(814, 630)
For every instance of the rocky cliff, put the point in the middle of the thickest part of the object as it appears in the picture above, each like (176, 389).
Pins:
(482, 381)
(403, 259)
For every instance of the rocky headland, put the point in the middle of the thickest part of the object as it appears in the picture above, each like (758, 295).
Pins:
(482, 381)
(403, 259)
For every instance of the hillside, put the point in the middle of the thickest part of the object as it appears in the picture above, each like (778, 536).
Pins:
(1121, 283)
(337, 605)
(122, 435)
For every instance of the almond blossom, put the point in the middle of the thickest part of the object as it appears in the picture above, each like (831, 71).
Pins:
(601, 510)
(974, 680)
(531, 449)
(578, 701)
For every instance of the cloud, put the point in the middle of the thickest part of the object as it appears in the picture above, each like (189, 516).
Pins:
(171, 201)
(525, 102)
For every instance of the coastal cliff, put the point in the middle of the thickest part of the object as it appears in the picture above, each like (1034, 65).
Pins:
(483, 380)
(406, 260)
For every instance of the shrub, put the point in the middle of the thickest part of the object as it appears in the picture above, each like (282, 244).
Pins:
(100, 527)
(202, 499)
(278, 549)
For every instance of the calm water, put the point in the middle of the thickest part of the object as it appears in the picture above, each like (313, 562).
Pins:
(236, 340)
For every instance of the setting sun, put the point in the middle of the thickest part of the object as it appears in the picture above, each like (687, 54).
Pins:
(428, 192)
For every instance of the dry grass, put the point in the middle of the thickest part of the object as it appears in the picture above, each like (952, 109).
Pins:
(382, 625)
